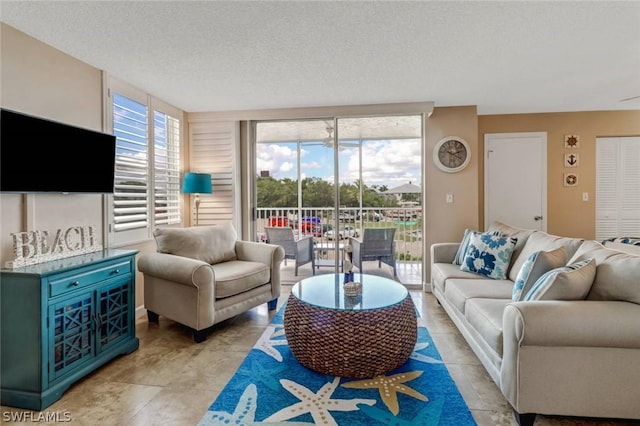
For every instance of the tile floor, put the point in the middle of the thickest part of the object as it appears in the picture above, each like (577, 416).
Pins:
(170, 380)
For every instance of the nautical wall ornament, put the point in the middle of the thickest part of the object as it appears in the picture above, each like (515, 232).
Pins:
(571, 160)
(571, 141)
(32, 247)
(571, 179)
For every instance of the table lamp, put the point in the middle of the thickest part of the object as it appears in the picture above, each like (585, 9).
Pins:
(197, 183)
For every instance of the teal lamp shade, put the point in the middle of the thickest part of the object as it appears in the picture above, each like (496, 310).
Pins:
(197, 183)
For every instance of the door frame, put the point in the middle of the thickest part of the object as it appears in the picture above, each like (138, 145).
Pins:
(499, 136)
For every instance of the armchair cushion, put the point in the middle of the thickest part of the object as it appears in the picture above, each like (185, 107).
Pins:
(211, 244)
(238, 276)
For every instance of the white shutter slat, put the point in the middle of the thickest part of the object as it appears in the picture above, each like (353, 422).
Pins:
(131, 168)
(617, 187)
(213, 149)
(166, 169)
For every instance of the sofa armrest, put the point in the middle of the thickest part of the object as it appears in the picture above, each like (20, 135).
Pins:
(443, 252)
(548, 344)
(571, 323)
(177, 269)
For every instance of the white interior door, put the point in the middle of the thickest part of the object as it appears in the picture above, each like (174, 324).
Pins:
(515, 179)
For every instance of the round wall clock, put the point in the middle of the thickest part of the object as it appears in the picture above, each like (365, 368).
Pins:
(451, 154)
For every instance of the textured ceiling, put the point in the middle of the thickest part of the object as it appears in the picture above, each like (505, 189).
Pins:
(504, 57)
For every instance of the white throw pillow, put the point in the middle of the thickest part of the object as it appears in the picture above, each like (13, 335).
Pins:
(534, 267)
(571, 282)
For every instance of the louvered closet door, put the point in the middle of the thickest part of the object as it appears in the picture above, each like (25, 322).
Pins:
(213, 148)
(617, 187)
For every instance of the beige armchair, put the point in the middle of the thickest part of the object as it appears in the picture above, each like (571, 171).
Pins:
(301, 250)
(376, 244)
(203, 275)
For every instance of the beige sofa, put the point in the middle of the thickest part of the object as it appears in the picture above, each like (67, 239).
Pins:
(203, 275)
(557, 357)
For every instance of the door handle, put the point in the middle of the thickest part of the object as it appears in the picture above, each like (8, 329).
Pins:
(536, 218)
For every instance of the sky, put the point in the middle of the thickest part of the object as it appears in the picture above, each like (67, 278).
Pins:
(384, 162)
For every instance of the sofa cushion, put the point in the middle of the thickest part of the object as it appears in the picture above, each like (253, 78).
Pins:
(542, 241)
(488, 255)
(211, 244)
(571, 282)
(625, 247)
(616, 273)
(485, 315)
(441, 272)
(458, 291)
(522, 235)
(237, 276)
(536, 265)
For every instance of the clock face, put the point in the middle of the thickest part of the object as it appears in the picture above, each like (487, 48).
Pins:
(451, 154)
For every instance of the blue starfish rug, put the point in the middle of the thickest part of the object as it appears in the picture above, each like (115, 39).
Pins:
(271, 387)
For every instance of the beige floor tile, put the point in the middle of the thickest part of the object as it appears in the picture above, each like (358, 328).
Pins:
(170, 380)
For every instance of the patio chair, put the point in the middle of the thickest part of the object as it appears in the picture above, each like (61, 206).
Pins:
(376, 244)
(300, 250)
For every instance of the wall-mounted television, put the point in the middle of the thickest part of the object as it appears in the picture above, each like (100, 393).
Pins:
(41, 155)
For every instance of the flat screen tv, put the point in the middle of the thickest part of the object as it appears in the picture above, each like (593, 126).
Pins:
(40, 155)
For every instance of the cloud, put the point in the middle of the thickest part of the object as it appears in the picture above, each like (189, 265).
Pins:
(384, 162)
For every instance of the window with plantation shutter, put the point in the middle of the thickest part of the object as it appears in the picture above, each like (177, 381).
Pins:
(166, 169)
(213, 148)
(147, 170)
(617, 187)
(131, 187)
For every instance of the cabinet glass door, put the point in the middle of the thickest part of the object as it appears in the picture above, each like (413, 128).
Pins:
(71, 337)
(112, 316)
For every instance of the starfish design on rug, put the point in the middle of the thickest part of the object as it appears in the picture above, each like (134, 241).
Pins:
(257, 373)
(423, 358)
(244, 413)
(267, 343)
(389, 386)
(317, 404)
(428, 416)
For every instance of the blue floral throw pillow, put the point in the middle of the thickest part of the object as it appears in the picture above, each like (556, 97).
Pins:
(464, 245)
(489, 255)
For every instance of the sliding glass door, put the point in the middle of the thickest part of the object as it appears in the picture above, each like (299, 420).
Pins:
(332, 178)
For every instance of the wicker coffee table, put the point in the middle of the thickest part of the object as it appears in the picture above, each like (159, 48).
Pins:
(350, 336)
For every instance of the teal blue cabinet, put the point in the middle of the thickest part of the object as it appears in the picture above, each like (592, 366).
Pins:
(61, 320)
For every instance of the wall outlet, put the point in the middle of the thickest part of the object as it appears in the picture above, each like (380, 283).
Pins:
(449, 198)
(585, 196)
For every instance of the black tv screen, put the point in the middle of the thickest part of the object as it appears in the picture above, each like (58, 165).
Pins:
(40, 155)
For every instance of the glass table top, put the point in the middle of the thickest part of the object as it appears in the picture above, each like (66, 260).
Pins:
(326, 291)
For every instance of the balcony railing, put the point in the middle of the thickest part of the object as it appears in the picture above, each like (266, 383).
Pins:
(320, 223)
